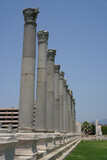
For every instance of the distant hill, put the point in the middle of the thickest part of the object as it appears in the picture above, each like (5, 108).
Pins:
(102, 121)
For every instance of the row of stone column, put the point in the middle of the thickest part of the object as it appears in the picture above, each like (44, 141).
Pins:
(54, 101)
(55, 105)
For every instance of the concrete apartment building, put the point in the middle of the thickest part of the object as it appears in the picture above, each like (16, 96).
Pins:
(9, 116)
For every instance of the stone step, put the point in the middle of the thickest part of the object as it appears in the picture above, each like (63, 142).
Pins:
(49, 150)
(42, 153)
(65, 154)
(54, 155)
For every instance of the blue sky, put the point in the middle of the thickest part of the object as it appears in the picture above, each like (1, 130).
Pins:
(78, 30)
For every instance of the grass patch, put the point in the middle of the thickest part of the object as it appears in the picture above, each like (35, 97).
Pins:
(89, 150)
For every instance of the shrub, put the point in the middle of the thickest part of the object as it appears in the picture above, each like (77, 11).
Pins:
(104, 129)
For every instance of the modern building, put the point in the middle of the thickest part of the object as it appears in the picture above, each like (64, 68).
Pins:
(9, 116)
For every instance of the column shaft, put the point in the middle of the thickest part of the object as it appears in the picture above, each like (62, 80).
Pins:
(56, 97)
(50, 91)
(27, 84)
(68, 111)
(61, 102)
(64, 106)
(73, 116)
(40, 114)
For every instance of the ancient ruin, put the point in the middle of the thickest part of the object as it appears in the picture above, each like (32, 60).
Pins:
(54, 129)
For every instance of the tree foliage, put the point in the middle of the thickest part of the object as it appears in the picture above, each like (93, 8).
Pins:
(104, 129)
(88, 128)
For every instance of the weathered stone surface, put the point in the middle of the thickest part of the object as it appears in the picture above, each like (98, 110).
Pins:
(26, 144)
(68, 111)
(50, 90)
(64, 105)
(71, 96)
(7, 145)
(61, 76)
(27, 86)
(50, 141)
(30, 14)
(43, 37)
(78, 128)
(73, 115)
(40, 114)
(42, 142)
(56, 98)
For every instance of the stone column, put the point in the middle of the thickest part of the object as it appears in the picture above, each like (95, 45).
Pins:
(68, 110)
(26, 147)
(73, 114)
(69, 134)
(50, 99)
(56, 105)
(40, 114)
(71, 94)
(64, 106)
(56, 97)
(50, 90)
(74, 117)
(96, 127)
(61, 102)
(27, 86)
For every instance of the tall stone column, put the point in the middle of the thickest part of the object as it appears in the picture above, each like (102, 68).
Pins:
(70, 92)
(96, 127)
(27, 86)
(56, 97)
(50, 90)
(61, 102)
(74, 117)
(27, 139)
(40, 114)
(68, 110)
(64, 105)
(58, 136)
(71, 95)
(73, 114)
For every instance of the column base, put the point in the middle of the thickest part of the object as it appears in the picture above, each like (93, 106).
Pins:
(26, 146)
(50, 141)
(42, 141)
(62, 139)
(7, 144)
(58, 139)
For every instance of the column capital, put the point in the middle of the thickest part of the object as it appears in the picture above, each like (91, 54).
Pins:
(71, 93)
(62, 74)
(68, 91)
(73, 100)
(65, 81)
(56, 68)
(30, 15)
(66, 87)
(43, 36)
(51, 54)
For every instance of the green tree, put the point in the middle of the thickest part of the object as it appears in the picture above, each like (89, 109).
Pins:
(93, 129)
(104, 129)
(88, 128)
